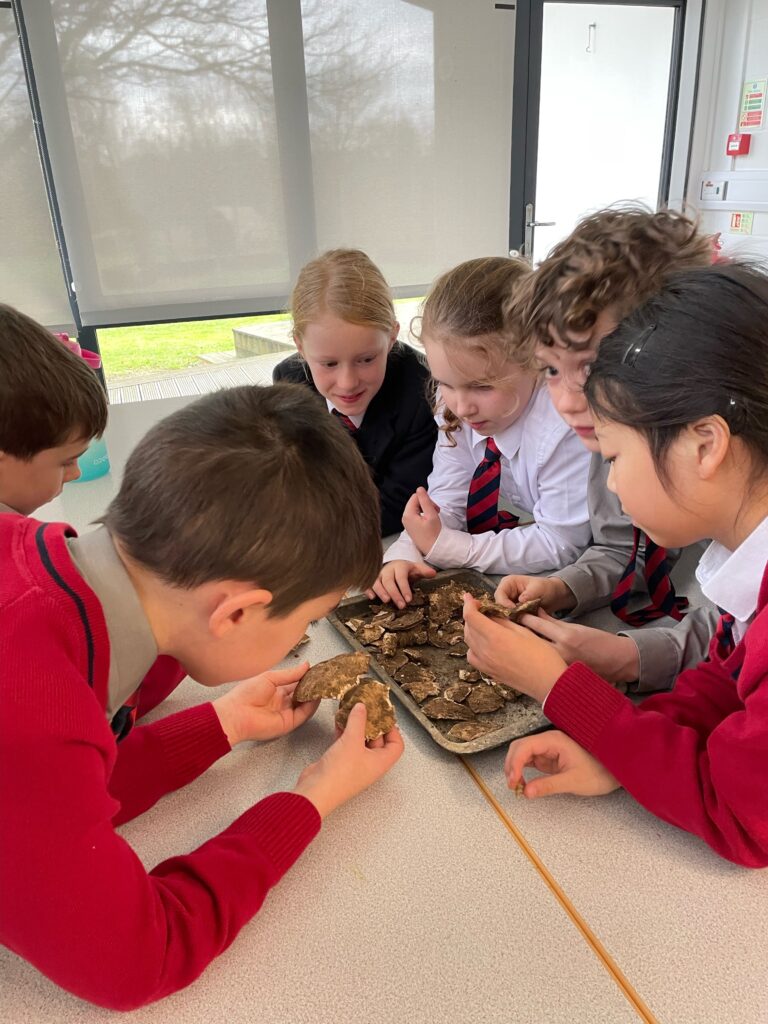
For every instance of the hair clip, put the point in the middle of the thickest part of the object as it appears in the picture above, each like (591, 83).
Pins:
(636, 347)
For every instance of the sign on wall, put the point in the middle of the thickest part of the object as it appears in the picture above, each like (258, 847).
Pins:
(752, 104)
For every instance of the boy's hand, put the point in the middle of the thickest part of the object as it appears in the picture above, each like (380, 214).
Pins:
(262, 708)
(395, 578)
(615, 658)
(350, 765)
(421, 519)
(568, 767)
(510, 653)
(555, 595)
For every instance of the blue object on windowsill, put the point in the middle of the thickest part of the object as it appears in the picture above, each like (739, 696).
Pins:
(94, 462)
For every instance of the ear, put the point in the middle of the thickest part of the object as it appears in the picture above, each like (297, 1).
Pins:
(393, 336)
(298, 343)
(710, 440)
(231, 609)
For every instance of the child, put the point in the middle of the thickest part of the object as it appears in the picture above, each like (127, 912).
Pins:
(679, 396)
(239, 519)
(51, 406)
(345, 330)
(501, 439)
(611, 263)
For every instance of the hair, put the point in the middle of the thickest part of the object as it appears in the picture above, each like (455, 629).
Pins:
(617, 258)
(699, 348)
(464, 312)
(48, 395)
(257, 484)
(348, 284)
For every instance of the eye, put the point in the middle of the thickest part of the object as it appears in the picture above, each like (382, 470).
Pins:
(609, 460)
(482, 387)
(550, 373)
(368, 359)
(328, 366)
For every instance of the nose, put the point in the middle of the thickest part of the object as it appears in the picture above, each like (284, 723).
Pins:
(347, 377)
(568, 397)
(72, 473)
(466, 407)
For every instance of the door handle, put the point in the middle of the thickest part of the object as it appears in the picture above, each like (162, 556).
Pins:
(530, 224)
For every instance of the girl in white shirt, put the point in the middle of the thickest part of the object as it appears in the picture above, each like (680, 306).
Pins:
(501, 439)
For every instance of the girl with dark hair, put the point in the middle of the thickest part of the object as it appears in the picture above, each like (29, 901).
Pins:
(679, 393)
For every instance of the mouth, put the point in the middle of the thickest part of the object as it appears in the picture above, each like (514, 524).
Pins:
(478, 425)
(350, 399)
(583, 431)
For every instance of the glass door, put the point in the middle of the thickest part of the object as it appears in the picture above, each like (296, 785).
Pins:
(598, 111)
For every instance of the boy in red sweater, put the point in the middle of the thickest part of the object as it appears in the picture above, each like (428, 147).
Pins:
(51, 406)
(680, 397)
(198, 567)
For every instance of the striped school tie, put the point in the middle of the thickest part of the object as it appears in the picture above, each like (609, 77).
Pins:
(345, 420)
(483, 512)
(664, 601)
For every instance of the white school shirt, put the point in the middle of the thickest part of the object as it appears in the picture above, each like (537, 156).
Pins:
(544, 469)
(357, 420)
(732, 579)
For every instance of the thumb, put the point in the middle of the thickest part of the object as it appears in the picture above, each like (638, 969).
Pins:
(549, 785)
(354, 730)
(426, 571)
(283, 676)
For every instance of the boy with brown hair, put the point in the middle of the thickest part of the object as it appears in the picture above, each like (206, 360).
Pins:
(51, 406)
(199, 567)
(611, 263)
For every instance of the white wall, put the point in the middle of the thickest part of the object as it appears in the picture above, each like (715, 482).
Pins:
(735, 48)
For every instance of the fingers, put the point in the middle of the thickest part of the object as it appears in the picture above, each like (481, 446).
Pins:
(549, 785)
(545, 626)
(422, 571)
(509, 590)
(402, 587)
(522, 752)
(380, 591)
(412, 507)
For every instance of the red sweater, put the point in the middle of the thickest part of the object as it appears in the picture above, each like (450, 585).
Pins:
(696, 757)
(76, 900)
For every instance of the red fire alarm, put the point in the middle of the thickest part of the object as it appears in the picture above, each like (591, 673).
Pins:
(738, 144)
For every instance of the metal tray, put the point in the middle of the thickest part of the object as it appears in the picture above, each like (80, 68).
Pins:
(517, 718)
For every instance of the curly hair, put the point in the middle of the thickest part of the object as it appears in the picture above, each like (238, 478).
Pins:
(617, 257)
(464, 312)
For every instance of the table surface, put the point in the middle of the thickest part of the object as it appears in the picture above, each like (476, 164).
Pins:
(436, 895)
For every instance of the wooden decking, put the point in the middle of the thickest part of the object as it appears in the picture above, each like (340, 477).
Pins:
(199, 380)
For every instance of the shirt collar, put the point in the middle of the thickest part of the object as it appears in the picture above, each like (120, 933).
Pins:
(7, 508)
(507, 441)
(732, 579)
(132, 647)
(357, 420)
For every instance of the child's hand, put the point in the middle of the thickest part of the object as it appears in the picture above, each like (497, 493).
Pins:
(421, 520)
(262, 708)
(394, 581)
(510, 653)
(568, 767)
(615, 658)
(555, 595)
(349, 766)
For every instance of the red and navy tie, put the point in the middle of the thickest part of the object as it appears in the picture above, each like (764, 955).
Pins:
(345, 420)
(483, 499)
(664, 601)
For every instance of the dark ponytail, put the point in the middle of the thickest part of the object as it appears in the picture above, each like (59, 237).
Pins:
(699, 348)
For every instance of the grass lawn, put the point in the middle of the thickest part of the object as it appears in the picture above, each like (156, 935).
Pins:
(136, 350)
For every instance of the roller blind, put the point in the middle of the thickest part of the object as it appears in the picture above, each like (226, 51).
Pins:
(203, 151)
(31, 276)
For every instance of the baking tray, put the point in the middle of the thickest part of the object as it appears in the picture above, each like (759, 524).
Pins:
(517, 718)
